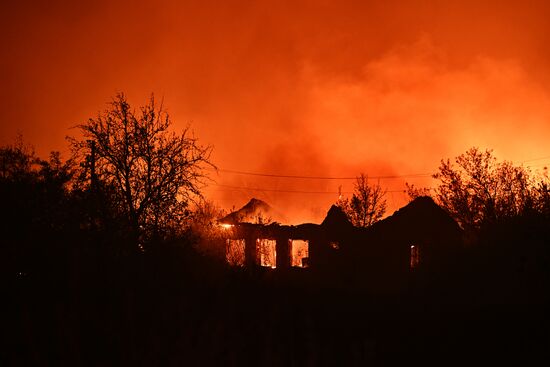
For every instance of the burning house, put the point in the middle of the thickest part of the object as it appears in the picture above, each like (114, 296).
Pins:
(419, 235)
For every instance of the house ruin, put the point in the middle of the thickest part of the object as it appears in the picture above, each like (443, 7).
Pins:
(419, 235)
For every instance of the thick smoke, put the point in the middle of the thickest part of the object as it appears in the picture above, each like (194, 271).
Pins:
(298, 88)
(401, 115)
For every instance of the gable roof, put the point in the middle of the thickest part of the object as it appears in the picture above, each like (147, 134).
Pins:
(336, 218)
(420, 217)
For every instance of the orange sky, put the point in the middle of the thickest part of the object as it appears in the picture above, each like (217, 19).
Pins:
(323, 88)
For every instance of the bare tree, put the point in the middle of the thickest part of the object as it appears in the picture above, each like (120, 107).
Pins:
(479, 189)
(541, 193)
(367, 204)
(209, 236)
(152, 172)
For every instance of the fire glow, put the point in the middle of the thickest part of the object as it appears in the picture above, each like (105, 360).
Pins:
(299, 253)
(362, 100)
(235, 252)
(267, 252)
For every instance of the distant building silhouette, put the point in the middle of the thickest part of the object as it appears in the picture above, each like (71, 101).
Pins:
(420, 235)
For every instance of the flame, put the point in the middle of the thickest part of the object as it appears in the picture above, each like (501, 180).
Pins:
(299, 251)
(235, 252)
(267, 252)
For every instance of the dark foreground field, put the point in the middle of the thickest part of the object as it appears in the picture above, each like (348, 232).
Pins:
(172, 307)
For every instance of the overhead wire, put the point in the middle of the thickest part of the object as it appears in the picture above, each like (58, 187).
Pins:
(383, 177)
(272, 175)
(536, 159)
(379, 177)
(292, 191)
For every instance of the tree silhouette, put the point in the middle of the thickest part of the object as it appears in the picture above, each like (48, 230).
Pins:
(151, 172)
(36, 209)
(16, 161)
(367, 204)
(541, 193)
(479, 189)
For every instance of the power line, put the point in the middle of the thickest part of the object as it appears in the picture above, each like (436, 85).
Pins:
(388, 177)
(247, 173)
(535, 159)
(277, 190)
(292, 191)
(381, 177)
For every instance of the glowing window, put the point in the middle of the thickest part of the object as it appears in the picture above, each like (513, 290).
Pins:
(234, 252)
(267, 252)
(415, 256)
(299, 253)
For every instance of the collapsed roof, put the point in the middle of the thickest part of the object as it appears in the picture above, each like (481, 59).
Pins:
(255, 211)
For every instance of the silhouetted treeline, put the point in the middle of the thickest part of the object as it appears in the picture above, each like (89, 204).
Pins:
(478, 190)
(80, 292)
